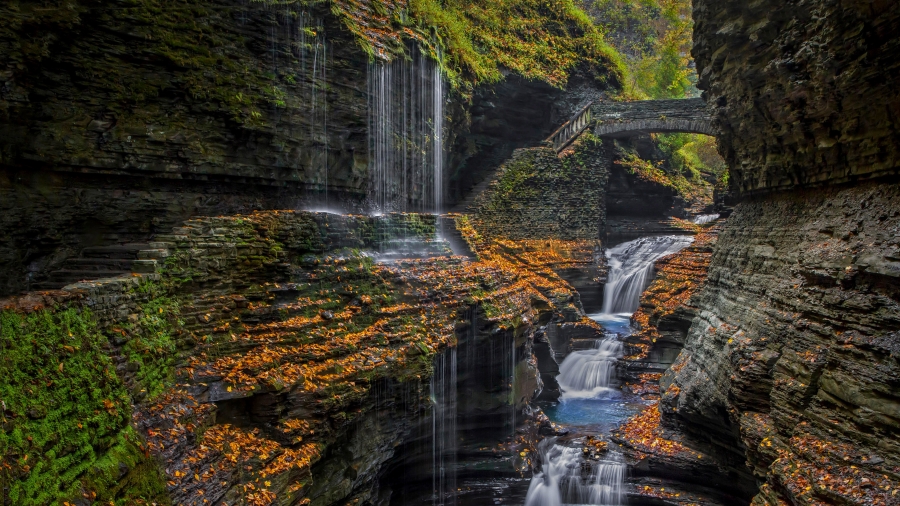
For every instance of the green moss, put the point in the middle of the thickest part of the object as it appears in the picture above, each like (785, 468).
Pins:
(693, 155)
(143, 484)
(151, 348)
(65, 412)
(474, 39)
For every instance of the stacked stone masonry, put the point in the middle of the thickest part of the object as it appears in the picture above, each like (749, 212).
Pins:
(537, 194)
(627, 119)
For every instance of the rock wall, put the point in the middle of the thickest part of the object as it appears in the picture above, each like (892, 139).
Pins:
(793, 353)
(261, 360)
(801, 92)
(538, 194)
(118, 120)
(637, 206)
(791, 361)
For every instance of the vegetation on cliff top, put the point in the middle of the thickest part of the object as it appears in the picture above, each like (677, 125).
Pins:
(476, 39)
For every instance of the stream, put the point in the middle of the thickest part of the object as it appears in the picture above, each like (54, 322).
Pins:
(592, 404)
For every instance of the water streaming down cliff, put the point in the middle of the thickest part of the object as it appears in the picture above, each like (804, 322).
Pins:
(567, 477)
(406, 135)
(444, 429)
(631, 269)
(302, 37)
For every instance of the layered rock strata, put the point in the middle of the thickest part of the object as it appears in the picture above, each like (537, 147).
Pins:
(791, 361)
(263, 360)
(119, 121)
(793, 350)
(666, 312)
(801, 92)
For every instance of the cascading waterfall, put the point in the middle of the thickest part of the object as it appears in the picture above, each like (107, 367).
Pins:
(406, 135)
(588, 374)
(631, 269)
(704, 219)
(568, 478)
(443, 429)
(586, 378)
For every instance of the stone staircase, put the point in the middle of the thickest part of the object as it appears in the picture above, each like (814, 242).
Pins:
(559, 140)
(463, 205)
(105, 262)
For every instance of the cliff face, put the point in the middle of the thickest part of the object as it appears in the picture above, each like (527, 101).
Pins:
(119, 120)
(269, 360)
(801, 92)
(791, 362)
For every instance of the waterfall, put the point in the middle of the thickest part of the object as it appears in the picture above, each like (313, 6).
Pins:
(631, 269)
(587, 374)
(443, 429)
(406, 134)
(568, 478)
(300, 55)
(703, 219)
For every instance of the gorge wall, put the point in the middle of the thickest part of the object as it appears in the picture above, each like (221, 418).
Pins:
(802, 92)
(119, 120)
(791, 362)
(262, 361)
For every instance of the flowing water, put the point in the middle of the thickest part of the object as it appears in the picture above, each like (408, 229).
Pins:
(588, 374)
(703, 219)
(567, 477)
(443, 429)
(406, 134)
(590, 398)
(631, 269)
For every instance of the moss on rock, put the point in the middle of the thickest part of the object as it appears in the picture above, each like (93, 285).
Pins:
(65, 414)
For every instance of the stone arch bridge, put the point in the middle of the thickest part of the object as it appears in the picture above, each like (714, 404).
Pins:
(627, 119)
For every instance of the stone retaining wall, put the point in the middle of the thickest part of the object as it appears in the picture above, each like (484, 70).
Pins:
(539, 195)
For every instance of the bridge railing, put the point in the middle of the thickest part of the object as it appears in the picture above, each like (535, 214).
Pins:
(564, 135)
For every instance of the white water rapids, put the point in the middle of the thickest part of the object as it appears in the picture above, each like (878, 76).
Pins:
(567, 477)
(587, 374)
(631, 269)
(704, 219)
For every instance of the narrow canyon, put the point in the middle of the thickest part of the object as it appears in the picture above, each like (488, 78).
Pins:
(449, 252)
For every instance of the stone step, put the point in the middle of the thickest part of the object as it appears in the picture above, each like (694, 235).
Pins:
(153, 254)
(63, 277)
(98, 264)
(463, 205)
(118, 251)
(145, 266)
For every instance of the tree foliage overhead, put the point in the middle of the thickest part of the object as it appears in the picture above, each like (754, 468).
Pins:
(655, 36)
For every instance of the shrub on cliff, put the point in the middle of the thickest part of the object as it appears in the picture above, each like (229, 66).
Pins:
(474, 39)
